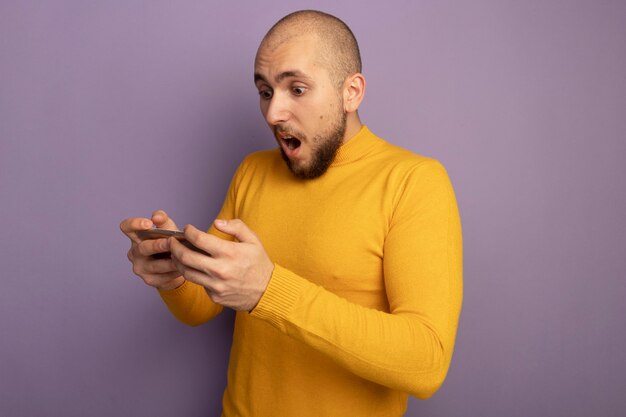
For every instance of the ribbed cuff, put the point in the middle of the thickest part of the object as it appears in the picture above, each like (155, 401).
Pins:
(176, 292)
(280, 296)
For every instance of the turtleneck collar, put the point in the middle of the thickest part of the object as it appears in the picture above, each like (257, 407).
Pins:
(356, 147)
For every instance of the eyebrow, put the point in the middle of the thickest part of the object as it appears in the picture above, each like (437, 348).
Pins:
(281, 76)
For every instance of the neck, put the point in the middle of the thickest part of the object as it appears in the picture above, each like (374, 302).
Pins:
(353, 126)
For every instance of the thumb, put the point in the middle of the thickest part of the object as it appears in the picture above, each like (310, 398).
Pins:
(238, 229)
(163, 221)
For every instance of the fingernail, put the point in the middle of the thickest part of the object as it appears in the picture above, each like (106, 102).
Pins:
(146, 224)
(220, 222)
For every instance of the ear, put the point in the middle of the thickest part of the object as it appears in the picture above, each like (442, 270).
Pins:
(353, 92)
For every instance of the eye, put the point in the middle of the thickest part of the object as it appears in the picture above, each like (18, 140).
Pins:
(265, 94)
(298, 91)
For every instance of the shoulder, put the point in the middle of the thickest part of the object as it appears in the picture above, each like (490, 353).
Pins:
(402, 164)
(262, 157)
(259, 161)
(409, 176)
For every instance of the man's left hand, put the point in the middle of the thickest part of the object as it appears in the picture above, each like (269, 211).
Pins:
(235, 274)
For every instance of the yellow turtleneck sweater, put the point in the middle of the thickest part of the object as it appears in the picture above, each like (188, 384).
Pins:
(363, 304)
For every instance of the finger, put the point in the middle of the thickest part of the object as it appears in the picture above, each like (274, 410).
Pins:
(236, 228)
(200, 278)
(209, 243)
(155, 268)
(163, 221)
(159, 267)
(151, 247)
(188, 258)
(131, 226)
(147, 266)
(159, 280)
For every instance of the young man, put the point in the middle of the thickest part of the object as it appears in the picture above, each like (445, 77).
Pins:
(340, 252)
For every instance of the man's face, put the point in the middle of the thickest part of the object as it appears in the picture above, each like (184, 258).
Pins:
(300, 104)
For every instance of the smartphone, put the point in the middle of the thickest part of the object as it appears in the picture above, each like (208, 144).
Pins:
(160, 234)
(164, 234)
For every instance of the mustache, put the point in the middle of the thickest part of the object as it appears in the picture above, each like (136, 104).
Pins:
(286, 130)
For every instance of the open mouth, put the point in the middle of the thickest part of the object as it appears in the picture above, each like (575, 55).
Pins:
(289, 142)
(292, 143)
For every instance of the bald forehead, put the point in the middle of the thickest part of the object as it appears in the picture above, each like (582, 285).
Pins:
(297, 24)
(291, 41)
(335, 45)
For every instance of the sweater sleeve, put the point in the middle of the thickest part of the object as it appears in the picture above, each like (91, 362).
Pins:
(190, 303)
(410, 347)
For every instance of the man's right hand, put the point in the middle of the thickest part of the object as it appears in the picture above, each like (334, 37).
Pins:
(158, 273)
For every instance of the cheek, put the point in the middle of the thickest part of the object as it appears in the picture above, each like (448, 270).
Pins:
(263, 107)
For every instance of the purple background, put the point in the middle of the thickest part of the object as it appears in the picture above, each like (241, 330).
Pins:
(112, 109)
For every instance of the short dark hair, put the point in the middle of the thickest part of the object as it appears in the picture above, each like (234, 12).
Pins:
(338, 46)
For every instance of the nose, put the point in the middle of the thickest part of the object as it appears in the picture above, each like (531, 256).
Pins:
(277, 110)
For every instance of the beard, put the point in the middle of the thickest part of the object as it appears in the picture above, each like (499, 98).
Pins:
(324, 148)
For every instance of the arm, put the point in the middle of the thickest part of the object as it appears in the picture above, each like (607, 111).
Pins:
(409, 348)
(190, 302)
